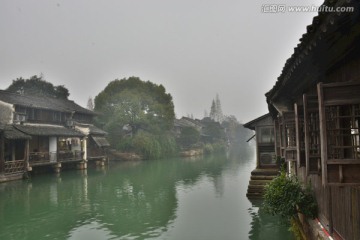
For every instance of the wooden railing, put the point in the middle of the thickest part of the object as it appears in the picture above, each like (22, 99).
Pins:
(11, 167)
(36, 158)
(64, 156)
(41, 157)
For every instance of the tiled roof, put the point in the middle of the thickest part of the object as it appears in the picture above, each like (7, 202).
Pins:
(101, 141)
(48, 130)
(251, 125)
(92, 130)
(96, 131)
(48, 103)
(12, 133)
(323, 25)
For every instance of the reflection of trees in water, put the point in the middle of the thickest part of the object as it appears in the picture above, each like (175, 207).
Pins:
(128, 199)
(141, 199)
(265, 226)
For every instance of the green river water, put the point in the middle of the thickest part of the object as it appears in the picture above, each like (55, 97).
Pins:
(185, 199)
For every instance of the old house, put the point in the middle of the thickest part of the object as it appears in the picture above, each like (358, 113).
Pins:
(13, 152)
(265, 140)
(96, 142)
(46, 132)
(315, 104)
(266, 165)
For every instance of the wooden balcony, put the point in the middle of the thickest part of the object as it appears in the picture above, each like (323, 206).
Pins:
(42, 158)
(68, 156)
(14, 167)
(48, 158)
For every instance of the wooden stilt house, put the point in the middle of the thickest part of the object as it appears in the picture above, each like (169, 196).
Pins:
(42, 132)
(265, 140)
(266, 165)
(14, 150)
(315, 104)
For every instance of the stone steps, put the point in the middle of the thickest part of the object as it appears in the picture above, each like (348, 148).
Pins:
(259, 178)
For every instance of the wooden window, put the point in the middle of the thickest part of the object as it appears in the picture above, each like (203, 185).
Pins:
(56, 117)
(300, 135)
(287, 126)
(266, 135)
(312, 134)
(339, 111)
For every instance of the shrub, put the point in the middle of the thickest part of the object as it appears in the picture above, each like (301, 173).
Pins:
(189, 136)
(168, 145)
(150, 146)
(147, 145)
(284, 196)
(208, 148)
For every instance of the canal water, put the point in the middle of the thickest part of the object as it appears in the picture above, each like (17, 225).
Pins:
(200, 198)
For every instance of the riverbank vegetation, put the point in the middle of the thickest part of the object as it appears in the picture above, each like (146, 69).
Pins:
(286, 197)
(139, 118)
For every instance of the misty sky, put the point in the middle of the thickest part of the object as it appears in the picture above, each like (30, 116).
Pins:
(195, 48)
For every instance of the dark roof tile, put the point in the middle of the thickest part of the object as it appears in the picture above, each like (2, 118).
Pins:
(62, 105)
(48, 130)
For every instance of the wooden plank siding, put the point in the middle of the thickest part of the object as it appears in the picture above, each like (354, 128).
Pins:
(332, 182)
(346, 212)
(339, 108)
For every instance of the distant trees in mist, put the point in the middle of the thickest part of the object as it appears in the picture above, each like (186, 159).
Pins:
(216, 113)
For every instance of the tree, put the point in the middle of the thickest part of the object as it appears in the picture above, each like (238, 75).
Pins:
(213, 110)
(39, 87)
(219, 117)
(142, 105)
(189, 136)
(90, 104)
(206, 114)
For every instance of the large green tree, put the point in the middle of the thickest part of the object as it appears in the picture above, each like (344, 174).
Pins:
(37, 86)
(142, 105)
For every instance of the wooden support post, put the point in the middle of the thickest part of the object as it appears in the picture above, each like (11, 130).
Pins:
(81, 165)
(2, 153)
(26, 157)
(57, 167)
(323, 139)
(257, 138)
(306, 132)
(297, 135)
(329, 198)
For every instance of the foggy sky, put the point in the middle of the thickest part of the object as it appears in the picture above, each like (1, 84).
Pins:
(195, 48)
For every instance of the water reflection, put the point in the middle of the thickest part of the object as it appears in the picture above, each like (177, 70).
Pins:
(164, 199)
(265, 226)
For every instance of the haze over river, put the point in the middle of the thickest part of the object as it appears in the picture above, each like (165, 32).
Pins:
(179, 198)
